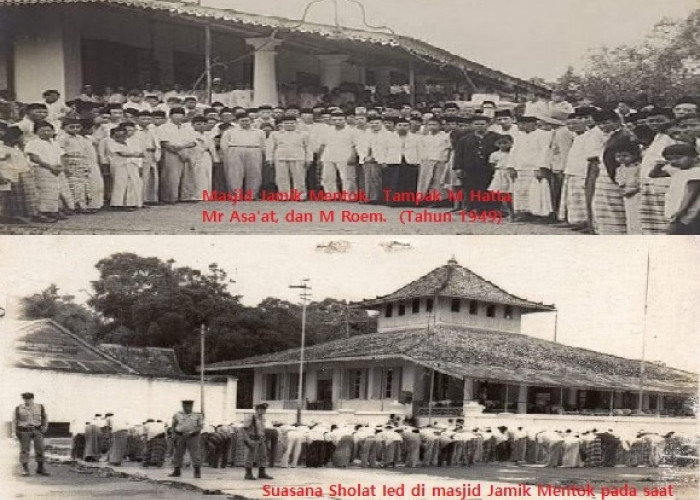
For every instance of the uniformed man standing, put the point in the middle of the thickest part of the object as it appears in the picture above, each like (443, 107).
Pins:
(187, 426)
(255, 442)
(30, 424)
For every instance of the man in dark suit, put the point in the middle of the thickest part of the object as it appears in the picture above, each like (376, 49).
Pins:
(471, 158)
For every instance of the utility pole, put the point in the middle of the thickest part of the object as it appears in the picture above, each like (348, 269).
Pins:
(305, 295)
(642, 366)
(202, 330)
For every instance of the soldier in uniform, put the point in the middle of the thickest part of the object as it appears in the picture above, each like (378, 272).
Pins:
(30, 424)
(256, 444)
(187, 426)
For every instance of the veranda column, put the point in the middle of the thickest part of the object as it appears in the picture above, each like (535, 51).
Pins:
(264, 71)
(332, 69)
(522, 398)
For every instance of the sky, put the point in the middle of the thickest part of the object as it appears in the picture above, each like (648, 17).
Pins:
(597, 283)
(525, 38)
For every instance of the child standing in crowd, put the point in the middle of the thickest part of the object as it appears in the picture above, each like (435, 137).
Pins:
(14, 167)
(683, 196)
(75, 161)
(629, 158)
(126, 185)
(503, 176)
(49, 172)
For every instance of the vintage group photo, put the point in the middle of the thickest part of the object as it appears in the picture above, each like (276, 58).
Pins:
(344, 249)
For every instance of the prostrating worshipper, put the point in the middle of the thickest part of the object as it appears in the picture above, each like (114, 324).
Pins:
(316, 445)
(682, 202)
(187, 426)
(290, 153)
(296, 438)
(15, 168)
(256, 443)
(154, 453)
(77, 450)
(401, 154)
(446, 443)
(430, 436)
(411, 443)
(177, 140)
(591, 450)
(653, 189)
(627, 179)
(392, 445)
(554, 443)
(55, 198)
(518, 448)
(272, 444)
(528, 157)
(487, 454)
(150, 144)
(571, 456)
(503, 176)
(435, 149)
(126, 181)
(609, 443)
(119, 440)
(501, 444)
(224, 451)
(337, 146)
(211, 445)
(342, 438)
(243, 148)
(608, 205)
(471, 159)
(135, 443)
(367, 443)
(93, 430)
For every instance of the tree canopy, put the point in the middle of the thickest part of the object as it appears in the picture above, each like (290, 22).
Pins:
(144, 301)
(663, 67)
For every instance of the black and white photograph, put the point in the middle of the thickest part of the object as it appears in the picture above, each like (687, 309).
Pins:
(253, 367)
(537, 117)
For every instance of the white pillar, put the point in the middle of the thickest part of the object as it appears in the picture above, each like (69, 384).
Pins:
(311, 380)
(645, 401)
(660, 402)
(258, 389)
(40, 57)
(573, 397)
(332, 69)
(264, 71)
(230, 398)
(383, 80)
(522, 398)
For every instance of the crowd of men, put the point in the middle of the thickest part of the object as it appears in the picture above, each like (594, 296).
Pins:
(399, 441)
(603, 171)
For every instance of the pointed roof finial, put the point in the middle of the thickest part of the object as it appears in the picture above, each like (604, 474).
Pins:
(452, 261)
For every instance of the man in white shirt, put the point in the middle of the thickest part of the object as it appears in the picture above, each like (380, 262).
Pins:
(370, 157)
(177, 175)
(434, 149)
(242, 149)
(528, 157)
(289, 150)
(56, 108)
(401, 157)
(337, 146)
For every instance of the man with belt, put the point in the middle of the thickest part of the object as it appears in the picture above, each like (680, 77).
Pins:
(187, 426)
(30, 424)
(255, 442)
(242, 149)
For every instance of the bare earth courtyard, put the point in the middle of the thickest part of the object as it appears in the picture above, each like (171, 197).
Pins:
(262, 217)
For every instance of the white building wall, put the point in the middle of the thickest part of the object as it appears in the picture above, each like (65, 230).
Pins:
(75, 397)
(444, 315)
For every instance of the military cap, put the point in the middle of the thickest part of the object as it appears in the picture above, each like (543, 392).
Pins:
(187, 401)
(27, 395)
(264, 106)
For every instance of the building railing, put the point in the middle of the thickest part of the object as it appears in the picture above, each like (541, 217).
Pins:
(292, 404)
(440, 411)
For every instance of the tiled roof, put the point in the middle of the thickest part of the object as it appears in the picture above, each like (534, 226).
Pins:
(153, 361)
(453, 280)
(282, 25)
(44, 344)
(489, 355)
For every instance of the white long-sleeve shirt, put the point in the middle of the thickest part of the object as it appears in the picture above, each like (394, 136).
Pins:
(289, 145)
(530, 151)
(435, 147)
(338, 145)
(394, 148)
(243, 138)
